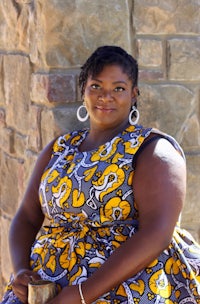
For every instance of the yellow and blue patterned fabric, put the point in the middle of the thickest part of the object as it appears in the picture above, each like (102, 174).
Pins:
(89, 201)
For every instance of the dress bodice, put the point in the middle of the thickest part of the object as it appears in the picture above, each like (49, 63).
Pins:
(97, 183)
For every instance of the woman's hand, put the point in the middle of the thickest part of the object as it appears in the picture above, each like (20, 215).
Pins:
(69, 295)
(20, 283)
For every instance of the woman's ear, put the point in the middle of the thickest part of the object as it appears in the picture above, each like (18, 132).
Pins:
(135, 92)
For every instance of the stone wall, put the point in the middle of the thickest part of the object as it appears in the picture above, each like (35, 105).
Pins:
(42, 46)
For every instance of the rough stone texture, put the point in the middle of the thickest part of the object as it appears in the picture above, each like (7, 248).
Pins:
(164, 102)
(190, 215)
(2, 118)
(34, 138)
(169, 17)
(6, 140)
(4, 250)
(61, 119)
(69, 45)
(30, 160)
(17, 91)
(1, 82)
(13, 179)
(55, 88)
(148, 58)
(43, 43)
(184, 59)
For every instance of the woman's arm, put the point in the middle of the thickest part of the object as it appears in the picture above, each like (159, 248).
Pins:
(159, 188)
(25, 226)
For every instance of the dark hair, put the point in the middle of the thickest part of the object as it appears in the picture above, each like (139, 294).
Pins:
(108, 55)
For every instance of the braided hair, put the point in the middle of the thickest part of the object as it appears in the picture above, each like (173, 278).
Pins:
(108, 55)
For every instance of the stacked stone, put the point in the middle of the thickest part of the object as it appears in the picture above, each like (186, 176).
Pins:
(42, 46)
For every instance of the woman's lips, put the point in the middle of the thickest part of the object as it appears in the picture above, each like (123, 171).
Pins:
(105, 109)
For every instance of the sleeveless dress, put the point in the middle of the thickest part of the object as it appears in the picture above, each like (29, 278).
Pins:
(89, 201)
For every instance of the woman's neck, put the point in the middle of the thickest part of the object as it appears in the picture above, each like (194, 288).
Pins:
(99, 136)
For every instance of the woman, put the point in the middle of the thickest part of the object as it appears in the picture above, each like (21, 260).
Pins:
(113, 194)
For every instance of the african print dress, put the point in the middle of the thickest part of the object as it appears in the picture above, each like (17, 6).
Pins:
(88, 198)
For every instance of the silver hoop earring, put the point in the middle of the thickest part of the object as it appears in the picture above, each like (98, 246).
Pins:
(134, 110)
(82, 119)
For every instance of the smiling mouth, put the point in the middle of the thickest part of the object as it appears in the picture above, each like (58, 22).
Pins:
(104, 109)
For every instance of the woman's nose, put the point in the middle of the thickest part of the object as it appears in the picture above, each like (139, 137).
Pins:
(105, 96)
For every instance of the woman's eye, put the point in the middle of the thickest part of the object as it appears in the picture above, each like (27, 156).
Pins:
(95, 86)
(119, 89)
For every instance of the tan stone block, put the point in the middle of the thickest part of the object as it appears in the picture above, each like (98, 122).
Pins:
(8, 22)
(76, 28)
(166, 17)
(184, 59)
(12, 182)
(24, 1)
(66, 119)
(16, 86)
(31, 158)
(151, 75)
(190, 216)
(2, 98)
(17, 23)
(34, 132)
(7, 140)
(53, 88)
(191, 136)
(2, 118)
(49, 127)
(20, 144)
(167, 107)
(150, 53)
(2, 286)
(61, 120)
(6, 267)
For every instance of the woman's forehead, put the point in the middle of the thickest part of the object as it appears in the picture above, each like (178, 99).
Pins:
(114, 70)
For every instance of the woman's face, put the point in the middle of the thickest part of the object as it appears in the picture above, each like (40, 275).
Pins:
(108, 97)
